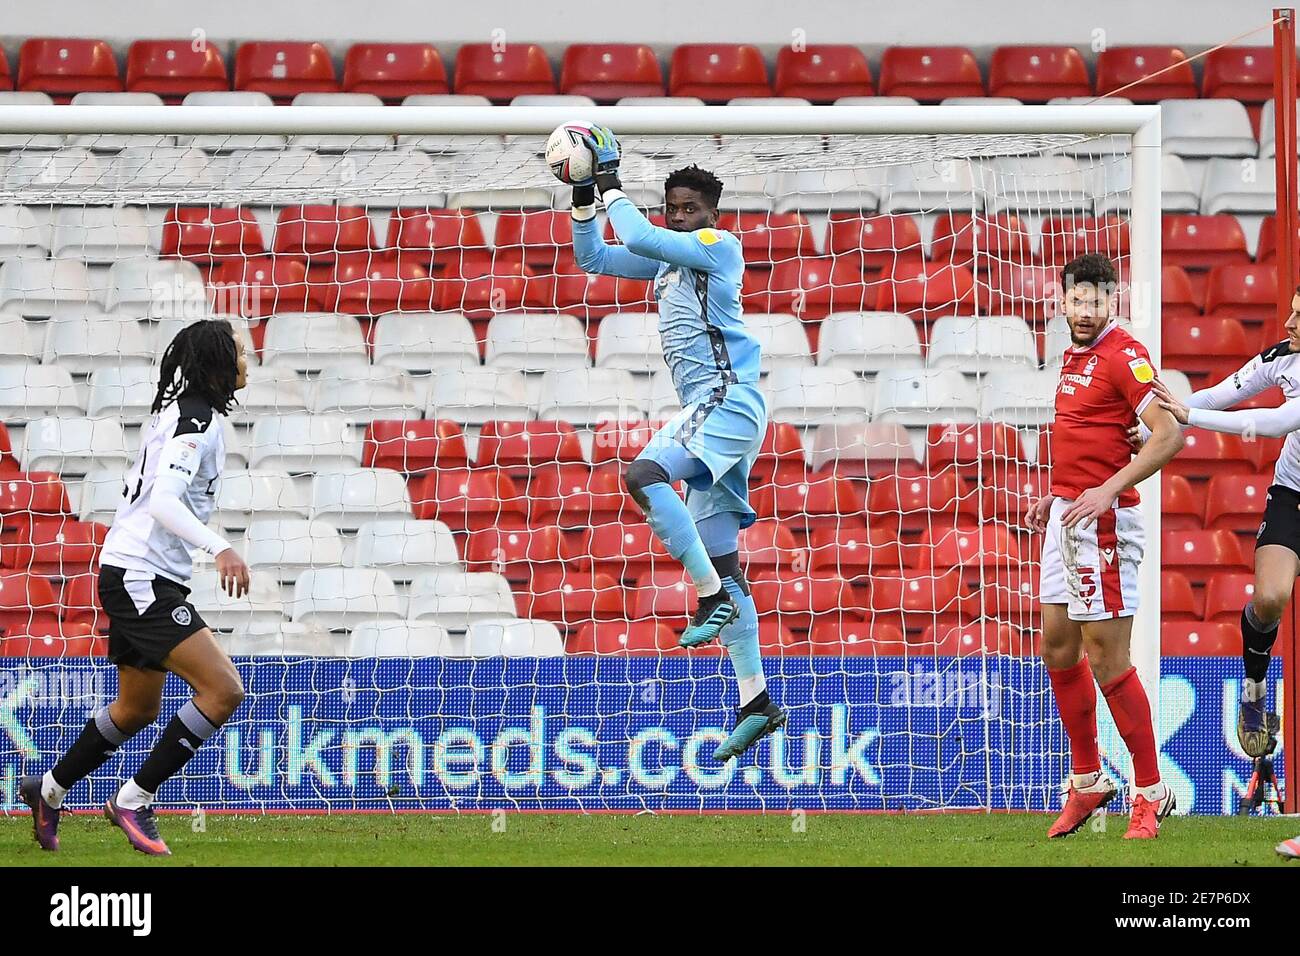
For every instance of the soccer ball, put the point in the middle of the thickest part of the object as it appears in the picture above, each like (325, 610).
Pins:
(567, 155)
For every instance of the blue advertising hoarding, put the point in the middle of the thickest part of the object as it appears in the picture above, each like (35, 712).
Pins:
(615, 733)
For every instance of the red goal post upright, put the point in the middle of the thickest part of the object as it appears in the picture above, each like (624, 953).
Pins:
(1284, 119)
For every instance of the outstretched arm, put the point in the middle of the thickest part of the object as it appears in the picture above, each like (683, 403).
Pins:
(702, 249)
(593, 253)
(1265, 422)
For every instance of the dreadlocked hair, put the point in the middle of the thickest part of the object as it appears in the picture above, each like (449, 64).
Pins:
(200, 361)
(701, 180)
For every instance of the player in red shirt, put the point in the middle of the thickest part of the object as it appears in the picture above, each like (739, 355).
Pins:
(1093, 546)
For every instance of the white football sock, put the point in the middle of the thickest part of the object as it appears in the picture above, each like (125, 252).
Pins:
(1155, 793)
(131, 797)
(1082, 781)
(51, 792)
(1253, 690)
(751, 687)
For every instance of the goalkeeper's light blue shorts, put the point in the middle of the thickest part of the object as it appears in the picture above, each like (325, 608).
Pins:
(724, 430)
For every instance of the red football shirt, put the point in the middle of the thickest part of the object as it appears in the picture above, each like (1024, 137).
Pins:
(1103, 388)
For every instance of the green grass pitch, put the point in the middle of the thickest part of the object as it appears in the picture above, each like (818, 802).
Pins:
(669, 840)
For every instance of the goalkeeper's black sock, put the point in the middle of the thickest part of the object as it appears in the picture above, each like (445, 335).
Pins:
(180, 741)
(96, 743)
(1256, 643)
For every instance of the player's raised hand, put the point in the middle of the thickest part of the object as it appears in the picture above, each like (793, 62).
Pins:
(1089, 506)
(1170, 402)
(604, 149)
(232, 572)
(1040, 512)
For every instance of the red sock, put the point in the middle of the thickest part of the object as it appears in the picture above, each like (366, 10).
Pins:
(1131, 710)
(1076, 699)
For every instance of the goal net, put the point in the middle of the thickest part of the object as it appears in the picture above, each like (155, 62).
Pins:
(455, 604)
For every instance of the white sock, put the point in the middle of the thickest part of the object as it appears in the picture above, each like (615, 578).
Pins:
(131, 797)
(1082, 781)
(1253, 690)
(751, 687)
(51, 792)
(709, 586)
(1155, 793)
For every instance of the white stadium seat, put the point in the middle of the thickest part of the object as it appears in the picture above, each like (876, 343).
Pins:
(339, 143)
(389, 178)
(536, 343)
(344, 597)
(868, 341)
(501, 180)
(236, 453)
(165, 329)
(1033, 184)
(586, 396)
(513, 639)
(783, 339)
(664, 401)
(1110, 181)
(1239, 186)
(1021, 398)
(311, 341)
(449, 144)
(456, 600)
(630, 340)
(303, 443)
(919, 397)
(37, 391)
(885, 442)
(73, 445)
(399, 639)
(65, 171)
(981, 344)
(857, 188)
(123, 392)
(930, 186)
(224, 143)
(82, 345)
(350, 498)
(101, 491)
(28, 141)
(157, 289)
(279, 639)
(403, 548)
(653, 145)
(100, 233)
(816, 396)
(362, 393)
(422, 341)
(476, 395)
(1206, 127)
(269, 174)
(36, 288)
(290, 545)
(166, 169)
(270, 391)
(259, 492)
(111, 143)
(21, 234)
(262, 603)
(16, 345)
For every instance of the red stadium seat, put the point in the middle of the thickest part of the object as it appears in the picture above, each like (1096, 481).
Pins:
(255, 286)
(519, 69)
(1199, 639)
(1202, 242)
(284, 68)
(930, 73)
(519, 554)
(505, 285)
(27, 497)
(6, 77)
(1267, 249)
(922, 599)
(876, 241)
(1200, 554)
(72, 645)
(927, 290)
(852, 553)
(1178, 300)
(610, 71)
(1207, 454)
(620, 440)
(27, 604)
(368, 283)
(393, 71)
(447, 242)
(1008, 497)
(769, 237)
(822, 501)
(775, 639)
(624, 637)
(469, 500)
(1236, 502)
(414, 446)
(814, 286)
(622, 551)
(322, 233)
(1036, 74)
(536, 236)
(989, 449)
(1065, 237)
(173, 68)
(1120, 66)
(1245, 291)
(518, 447)
(55, 547)
(80, 603)
(1177, 600)
(1214, 347)
(780, 458)
(717, 72)
(975, 547)
(1181, 508)
(796, 600)
(822, 73)
(1009, 592)
(571, 598)
(591, 296)
(206, 235)
(967, 639)
(63, 66)
(1226, 595)
(770, 546)
(1238, 73)
(8, 463)
(1030, 291)
(1000, 238)
(666, 596)
(913, 503)
(575, 496)
(850, 638)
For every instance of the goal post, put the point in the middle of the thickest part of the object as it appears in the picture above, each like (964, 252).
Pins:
(451, 726)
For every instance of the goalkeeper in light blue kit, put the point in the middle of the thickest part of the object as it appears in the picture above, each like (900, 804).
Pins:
(713, 441)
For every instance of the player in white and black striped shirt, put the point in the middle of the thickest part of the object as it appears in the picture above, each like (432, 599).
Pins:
(145, 567)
